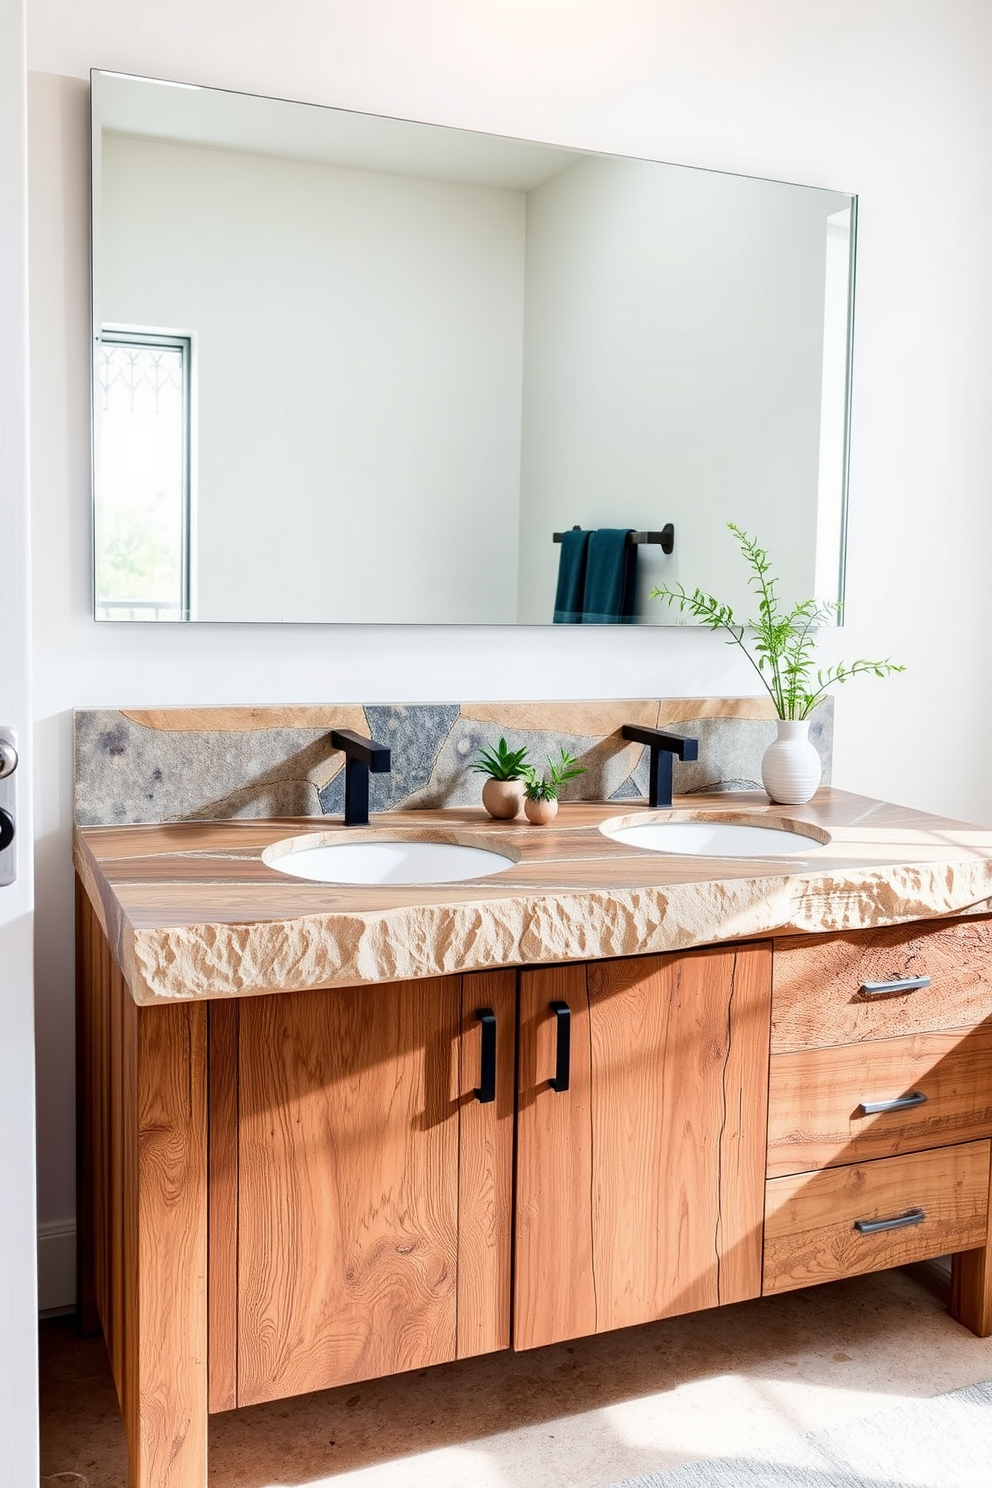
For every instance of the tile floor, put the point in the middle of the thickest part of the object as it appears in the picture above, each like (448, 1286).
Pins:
(579, 1415)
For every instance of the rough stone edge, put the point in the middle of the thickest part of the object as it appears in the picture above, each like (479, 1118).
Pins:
(439, 940)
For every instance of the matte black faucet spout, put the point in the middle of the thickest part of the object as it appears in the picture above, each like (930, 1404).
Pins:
(664, 749)
(361, 756)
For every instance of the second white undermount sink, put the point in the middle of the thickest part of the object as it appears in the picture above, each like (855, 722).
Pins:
(716, 839)
(402, 861)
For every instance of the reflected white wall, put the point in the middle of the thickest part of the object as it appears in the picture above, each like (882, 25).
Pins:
(358, 363)
(673, 373)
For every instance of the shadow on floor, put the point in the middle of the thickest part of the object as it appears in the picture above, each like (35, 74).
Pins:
(547, 1416)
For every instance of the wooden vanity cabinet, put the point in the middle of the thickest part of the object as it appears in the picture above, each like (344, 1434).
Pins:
(640, 1187)
(366, 1229)
(284, 1193)
(880, 1107)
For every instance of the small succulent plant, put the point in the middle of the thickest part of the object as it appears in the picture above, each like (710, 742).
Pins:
(546, 787)
(503, 763)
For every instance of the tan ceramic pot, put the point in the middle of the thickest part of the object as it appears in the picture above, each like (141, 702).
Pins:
(540, 813)
(503, 798)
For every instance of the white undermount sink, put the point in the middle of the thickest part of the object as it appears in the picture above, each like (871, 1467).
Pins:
(692, 837)
(384, 861)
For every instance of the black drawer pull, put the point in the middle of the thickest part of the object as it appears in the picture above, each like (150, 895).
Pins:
(893, 988)
(563, 1016)
(904, 1103)
(485, 1091)
(901, 1222)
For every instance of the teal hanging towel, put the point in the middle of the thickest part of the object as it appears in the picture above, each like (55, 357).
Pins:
(611, 578)
(571, 577)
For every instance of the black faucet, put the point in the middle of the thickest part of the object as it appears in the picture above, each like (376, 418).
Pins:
(361, 756)
(664, 748)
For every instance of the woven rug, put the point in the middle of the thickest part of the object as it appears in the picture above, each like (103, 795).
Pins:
(945, 1442)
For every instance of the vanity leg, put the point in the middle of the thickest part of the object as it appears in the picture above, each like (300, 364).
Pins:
(164, 1393)
(971, 1285)
(971, 1290)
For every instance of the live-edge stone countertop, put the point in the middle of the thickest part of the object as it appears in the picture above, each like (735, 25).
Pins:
(191, 910)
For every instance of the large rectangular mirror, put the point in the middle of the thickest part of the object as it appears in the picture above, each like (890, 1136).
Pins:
(357, 369)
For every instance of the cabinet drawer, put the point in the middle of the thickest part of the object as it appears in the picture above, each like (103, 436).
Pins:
(810, 1218)
(815, 1099)
(822, 985)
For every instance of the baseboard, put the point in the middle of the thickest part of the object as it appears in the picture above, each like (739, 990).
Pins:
(56, 1269)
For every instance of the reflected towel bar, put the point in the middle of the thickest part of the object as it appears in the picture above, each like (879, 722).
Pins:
(665, 539)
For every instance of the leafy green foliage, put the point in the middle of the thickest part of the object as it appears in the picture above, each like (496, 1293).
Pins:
(783, 642)
(138, 555)
(502, 763)
(546, 787)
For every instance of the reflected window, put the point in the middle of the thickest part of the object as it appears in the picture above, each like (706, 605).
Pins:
(142, 513)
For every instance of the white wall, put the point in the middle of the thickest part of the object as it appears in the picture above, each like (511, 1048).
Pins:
(18, 1333)
(672, 373)
(887, 100)
(366, 328)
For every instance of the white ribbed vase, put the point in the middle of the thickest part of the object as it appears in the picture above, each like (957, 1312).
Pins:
(790, 768)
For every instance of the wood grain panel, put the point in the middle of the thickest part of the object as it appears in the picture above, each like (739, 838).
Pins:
(971, 1285)
(103, 1175)
(348, 1209)
(86, 1115)
(485, 1169)
(106, 1184)
(664, 1084)
(739, 1235)
(143, 1172)
(814, 1119)
(554, 1285)
(809, 1217)
(114, 1322)
(167, 1442)
(817, 979)
(222, 1186)
(97, 1042)
(128, 1385)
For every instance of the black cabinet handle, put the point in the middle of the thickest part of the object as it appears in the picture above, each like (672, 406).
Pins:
(904, 1103)
(6, 829)
(897, 985)
(485, 1091)
(901, 1222)
(563, 1017)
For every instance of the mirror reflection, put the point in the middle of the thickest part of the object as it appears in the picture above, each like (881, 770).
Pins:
(362, 370)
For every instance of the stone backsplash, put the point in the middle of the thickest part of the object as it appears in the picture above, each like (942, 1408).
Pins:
(185, 764)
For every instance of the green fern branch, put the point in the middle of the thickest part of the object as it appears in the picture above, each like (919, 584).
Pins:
(783, 644)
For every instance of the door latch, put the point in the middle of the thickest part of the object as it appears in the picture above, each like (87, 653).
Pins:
(8, 847)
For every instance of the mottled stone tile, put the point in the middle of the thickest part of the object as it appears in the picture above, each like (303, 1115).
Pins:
(415, 733)
(730, 751)
(165, 765)
(607, 762)
(127, 773)
(635, 786)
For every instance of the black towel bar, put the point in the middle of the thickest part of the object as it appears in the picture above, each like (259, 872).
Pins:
(665, 539)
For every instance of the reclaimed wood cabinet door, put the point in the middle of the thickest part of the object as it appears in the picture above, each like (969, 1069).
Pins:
(640, 1186)
(374, 1186)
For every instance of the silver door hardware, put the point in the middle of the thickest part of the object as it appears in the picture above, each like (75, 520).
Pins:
(8, 844)
(8, 756)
